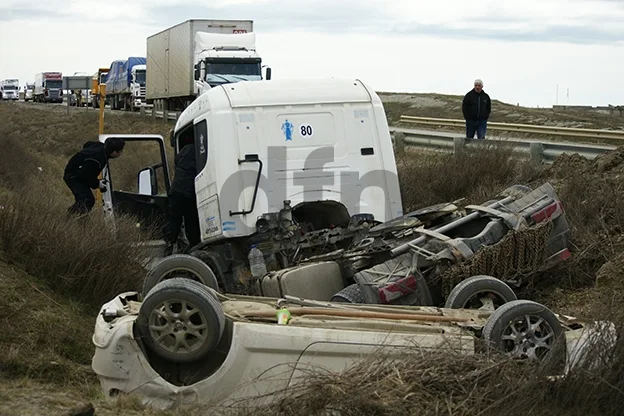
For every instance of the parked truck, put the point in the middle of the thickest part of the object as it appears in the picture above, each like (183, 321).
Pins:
(125, 83)
(49, 87)
(9, 89)
(190, 57)
(29, 91)
(98, 79)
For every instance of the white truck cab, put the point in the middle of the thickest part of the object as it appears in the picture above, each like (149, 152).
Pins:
(223, 58)
(277, 160)
(138, 84)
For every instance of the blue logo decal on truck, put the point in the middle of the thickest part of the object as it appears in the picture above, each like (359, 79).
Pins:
(288, 128)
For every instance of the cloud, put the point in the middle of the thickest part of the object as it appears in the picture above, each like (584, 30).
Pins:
(574, 21)
(569, 21)
(521, 50)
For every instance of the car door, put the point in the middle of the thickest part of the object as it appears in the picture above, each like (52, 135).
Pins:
(146, 198)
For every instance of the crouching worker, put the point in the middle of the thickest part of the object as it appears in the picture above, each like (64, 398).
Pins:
(83, 170)
(182, 200)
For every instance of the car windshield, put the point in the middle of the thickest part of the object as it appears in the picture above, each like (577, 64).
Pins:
(54, 84)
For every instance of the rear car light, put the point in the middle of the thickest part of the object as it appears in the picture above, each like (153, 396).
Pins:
(551, 211)
(398, 289)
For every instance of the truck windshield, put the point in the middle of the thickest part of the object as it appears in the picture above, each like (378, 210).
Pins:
(10, 87)
(140, 78)
(54, 83)
(239, 68)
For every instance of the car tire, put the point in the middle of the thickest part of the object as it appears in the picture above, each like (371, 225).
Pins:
(544, 341)
(180, 265)
(180, 320)
(350, 294)
(463, 295)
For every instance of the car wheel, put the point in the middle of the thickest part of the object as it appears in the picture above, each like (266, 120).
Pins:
(480, 292)
(350, 294)
(180, 265)
(180, 320)
(526, 330)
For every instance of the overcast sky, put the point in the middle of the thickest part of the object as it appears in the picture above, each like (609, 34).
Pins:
(521, 49)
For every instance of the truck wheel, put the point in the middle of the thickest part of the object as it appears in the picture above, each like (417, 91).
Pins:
(350, 294)
(480, 292)
(179, 265)
(526, 330)
(180, 320)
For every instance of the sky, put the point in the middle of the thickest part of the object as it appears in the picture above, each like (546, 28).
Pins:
(529, 52)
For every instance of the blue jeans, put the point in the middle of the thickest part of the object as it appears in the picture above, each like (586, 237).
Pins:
(476, 126)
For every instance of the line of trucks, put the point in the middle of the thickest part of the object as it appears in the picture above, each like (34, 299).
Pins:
(181, 63)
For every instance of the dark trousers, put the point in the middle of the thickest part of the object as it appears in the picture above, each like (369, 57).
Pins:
(182, 208)
(84, 199)
(476, 126)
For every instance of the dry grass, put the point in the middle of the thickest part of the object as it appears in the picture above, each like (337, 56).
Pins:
(475, 174)
(48, 320)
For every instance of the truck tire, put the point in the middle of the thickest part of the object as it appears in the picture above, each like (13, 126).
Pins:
(179, 265)
(466, 294)
(350, 294)
(180, 320)
(526, 330)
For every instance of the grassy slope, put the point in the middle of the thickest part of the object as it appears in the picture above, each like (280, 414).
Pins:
(47, 336)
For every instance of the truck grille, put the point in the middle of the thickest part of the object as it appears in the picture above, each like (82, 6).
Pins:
(53, 94)
(142, 91)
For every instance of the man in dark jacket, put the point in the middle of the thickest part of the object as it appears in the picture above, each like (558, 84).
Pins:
(476, 107)
(182, 199)
(83, 170)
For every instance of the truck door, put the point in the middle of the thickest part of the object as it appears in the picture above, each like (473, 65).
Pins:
(138, 181)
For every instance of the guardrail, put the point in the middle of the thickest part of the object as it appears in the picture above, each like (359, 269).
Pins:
(521, 128)
(149, 110)
(537, 151)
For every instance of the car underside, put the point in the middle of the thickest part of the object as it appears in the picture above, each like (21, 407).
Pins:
(317, 251)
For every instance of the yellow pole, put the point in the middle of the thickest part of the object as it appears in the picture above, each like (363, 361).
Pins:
(102, 94)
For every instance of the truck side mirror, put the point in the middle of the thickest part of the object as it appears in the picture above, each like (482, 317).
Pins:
(197, 72)
(171, 138)
(268, 73)
(147, 182)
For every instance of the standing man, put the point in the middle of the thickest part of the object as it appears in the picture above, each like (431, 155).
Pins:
(83, 170)
(182, 198)
(476, 107)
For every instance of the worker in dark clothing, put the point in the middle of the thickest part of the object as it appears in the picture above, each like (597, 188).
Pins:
(476, 107)
(83, 170)
(182, 199)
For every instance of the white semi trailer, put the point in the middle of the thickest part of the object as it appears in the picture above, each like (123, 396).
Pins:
(190, 57)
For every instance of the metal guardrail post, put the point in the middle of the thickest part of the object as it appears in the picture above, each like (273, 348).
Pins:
(165, 115)
(154, 113)
(537, 153)
(399, 142)
(459, 143)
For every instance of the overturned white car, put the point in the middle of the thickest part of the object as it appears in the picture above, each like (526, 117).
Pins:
(187, 344)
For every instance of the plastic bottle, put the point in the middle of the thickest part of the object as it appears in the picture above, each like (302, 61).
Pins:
(256, 262)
